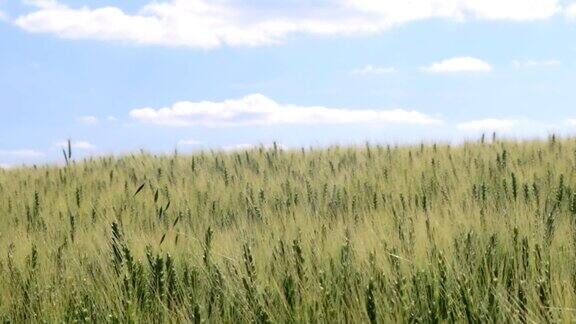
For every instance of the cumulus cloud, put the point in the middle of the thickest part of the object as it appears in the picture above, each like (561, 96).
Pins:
(459, 64)
(209, 24)
(516, 10)
(79, 145)
(571, 122)
(489, 124)
(535, 64)
(373, 70)
(25, 153)
(257, 109)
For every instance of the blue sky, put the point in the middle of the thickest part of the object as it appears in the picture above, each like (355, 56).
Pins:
(118, 76)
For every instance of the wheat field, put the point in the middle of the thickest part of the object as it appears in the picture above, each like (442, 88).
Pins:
(484, 231)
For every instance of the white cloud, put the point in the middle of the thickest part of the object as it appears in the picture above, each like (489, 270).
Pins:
(21, 153)
(489, 124)
(459, 64)
(571, 11)
(535, 64)
(93, 120)
(89, 120)
(209, 24)
(516, 10)
(571, 122)
(189, 142)
(373, 70)
(43, 3)
(257, 109)
(239, 147)
(79, 145)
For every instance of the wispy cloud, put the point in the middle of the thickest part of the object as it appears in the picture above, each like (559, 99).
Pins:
(257, 109)
(248, 146)
(5, 166)
(571, 121)
(24, 153)
(459, 64)
(189, 142)
(93, 120)
(489, 124)
(79, 145)
(535, 64)
(209, 24)
(373, 70)
(88, 120)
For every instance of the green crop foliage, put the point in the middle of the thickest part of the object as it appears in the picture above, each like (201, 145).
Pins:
(478, 232)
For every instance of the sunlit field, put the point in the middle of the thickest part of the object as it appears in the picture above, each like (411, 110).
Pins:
(479, 232)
